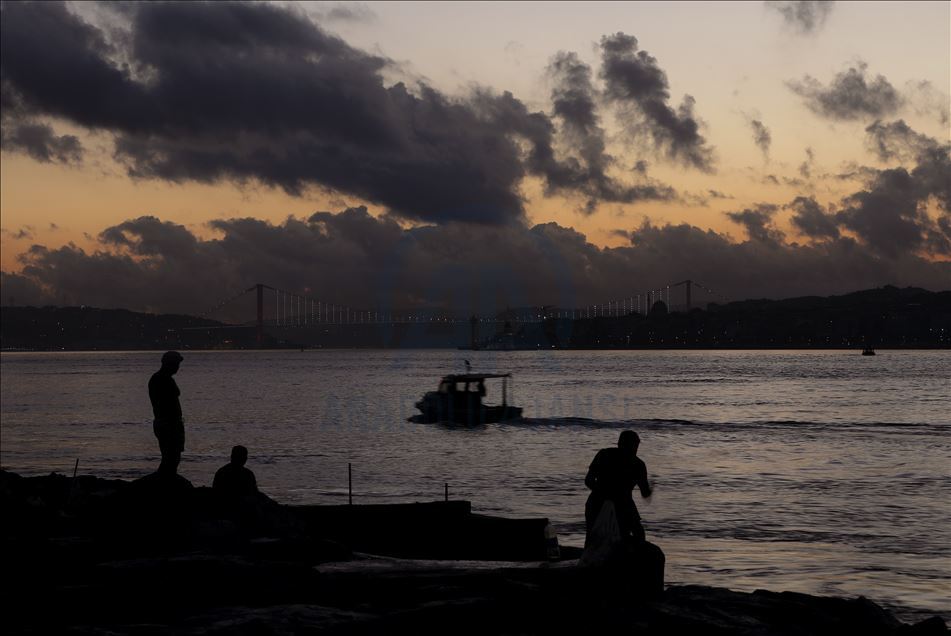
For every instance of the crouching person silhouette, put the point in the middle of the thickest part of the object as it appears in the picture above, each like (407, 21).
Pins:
(612, 477)
(615, 536)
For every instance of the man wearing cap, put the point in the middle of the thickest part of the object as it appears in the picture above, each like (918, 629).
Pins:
(168, 424)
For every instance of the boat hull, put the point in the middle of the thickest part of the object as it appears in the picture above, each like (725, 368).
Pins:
(437, 410)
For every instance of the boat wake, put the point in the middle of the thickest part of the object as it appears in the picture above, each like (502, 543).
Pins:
(667, 423)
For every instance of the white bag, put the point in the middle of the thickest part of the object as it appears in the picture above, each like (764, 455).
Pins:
(604, 542)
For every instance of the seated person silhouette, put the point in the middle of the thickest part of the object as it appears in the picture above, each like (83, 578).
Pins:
(233, 479)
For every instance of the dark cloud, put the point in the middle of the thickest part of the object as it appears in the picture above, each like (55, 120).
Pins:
(638, 87)
(931, 174)
(349, 12)
(758, 223)
(574, 103)
(16, 289)
(805, 168)
(811, 219)
(803, 16)
(355, 259)
(761, 137)
(537, 130)
(703, 199)
(886, 215)
(796, 182)
(926, 100)
(903, 210)
(257, 92)
(897, 140)
(40, 142)
(851, 95)
(27, 232)
(853, 171)
(891, 213)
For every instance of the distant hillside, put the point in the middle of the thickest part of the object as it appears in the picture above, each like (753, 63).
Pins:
(884, 317)
(91, 329)
(88, 328)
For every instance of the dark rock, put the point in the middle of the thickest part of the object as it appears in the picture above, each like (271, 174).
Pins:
(158, 556)
(934, 625)
(160, 484)
(635, 567)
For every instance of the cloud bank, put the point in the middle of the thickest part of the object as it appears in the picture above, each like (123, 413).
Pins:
(894, 229)
(245, 92)
(356, 259)
(889, 231)
(258, 92)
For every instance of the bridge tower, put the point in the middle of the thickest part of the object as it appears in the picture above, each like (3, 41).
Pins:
(474, 332)
(260, 290)
(687, 285)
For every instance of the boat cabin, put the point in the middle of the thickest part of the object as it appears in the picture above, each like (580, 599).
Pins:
(472, 383)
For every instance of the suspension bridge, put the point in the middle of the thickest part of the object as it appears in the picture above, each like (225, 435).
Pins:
(287, 309)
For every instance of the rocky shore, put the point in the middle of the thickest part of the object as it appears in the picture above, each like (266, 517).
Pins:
(157, 556)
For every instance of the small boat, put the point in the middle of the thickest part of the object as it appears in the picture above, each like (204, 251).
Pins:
(868, 351)
(458, 400)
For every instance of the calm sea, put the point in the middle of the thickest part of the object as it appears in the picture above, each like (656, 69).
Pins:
(820, 472)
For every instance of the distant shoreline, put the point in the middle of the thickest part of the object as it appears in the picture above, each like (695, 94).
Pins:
(884, 318)
(306, 349)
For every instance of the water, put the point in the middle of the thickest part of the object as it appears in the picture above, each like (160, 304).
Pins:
(819, 472)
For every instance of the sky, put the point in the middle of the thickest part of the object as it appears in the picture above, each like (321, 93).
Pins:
(163, 156)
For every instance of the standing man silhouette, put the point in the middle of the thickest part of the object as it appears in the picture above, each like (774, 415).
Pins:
(169, 427)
